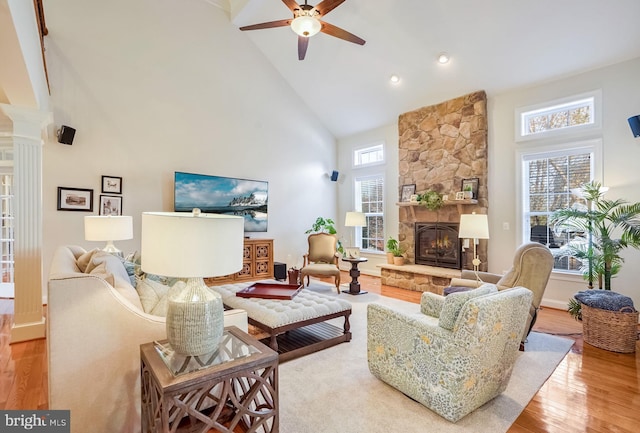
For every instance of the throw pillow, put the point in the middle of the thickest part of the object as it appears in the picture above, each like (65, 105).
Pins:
(154, 295)
(453, 304)
(102, 272)
(83, 261)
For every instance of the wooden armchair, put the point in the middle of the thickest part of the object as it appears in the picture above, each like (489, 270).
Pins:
(322, 259)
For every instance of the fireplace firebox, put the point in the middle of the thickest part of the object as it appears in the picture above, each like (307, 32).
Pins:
(437, 244)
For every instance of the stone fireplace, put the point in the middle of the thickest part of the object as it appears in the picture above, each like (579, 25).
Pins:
(437, 244)
(439, 146)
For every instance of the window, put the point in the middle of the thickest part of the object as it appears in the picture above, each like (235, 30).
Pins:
(369, 195)
(368, 155)
(563, 116)
(548, 178)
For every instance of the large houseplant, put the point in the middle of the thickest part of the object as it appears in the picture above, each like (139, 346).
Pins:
(610, 227)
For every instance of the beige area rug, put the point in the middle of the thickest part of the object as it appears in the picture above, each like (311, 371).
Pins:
(333, 390)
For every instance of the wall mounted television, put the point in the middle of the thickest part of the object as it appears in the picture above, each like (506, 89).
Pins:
(223, 195)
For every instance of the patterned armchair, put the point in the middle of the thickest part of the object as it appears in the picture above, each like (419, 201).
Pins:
(454, 355)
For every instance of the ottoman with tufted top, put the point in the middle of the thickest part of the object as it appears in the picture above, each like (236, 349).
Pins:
(296, 327)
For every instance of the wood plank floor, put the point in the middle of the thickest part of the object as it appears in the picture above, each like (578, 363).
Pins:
(592, 390)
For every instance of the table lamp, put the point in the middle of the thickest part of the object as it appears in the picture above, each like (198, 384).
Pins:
(355, 219)
(474, 226)
(108, 228)
(192, 246)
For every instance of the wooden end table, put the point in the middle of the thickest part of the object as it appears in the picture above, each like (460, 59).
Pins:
(354, 286)
(236, 385)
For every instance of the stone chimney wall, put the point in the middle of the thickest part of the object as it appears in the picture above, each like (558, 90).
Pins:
(439, 146)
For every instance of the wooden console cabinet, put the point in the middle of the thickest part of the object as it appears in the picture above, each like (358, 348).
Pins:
(257, 263)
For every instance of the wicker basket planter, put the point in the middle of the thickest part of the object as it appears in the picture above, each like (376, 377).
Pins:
(616, 331)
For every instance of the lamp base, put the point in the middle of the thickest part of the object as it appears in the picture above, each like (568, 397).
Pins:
(195, 319)
(111, 249)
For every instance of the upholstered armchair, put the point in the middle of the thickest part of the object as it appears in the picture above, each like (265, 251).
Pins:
(454, 355)
(322, 259)
(532, 266)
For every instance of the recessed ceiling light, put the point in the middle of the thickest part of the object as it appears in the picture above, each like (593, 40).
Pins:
(395, 79)
(443, 58)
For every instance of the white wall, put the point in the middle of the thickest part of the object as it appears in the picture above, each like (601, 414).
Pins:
(154, 87)
(620, 85)
(346, 200)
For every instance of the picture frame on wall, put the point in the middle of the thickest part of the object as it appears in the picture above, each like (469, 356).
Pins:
(110, 205)
(75, 199)
(112, 184)
(471, 185)
(407, 191)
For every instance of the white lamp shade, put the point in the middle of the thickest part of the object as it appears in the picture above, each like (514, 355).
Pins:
(108, 228)
(355, 219)
(306, 26)
(188, 245)
(474, 226)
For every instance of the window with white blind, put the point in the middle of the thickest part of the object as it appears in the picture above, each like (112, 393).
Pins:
(548, 178)
(369, 199)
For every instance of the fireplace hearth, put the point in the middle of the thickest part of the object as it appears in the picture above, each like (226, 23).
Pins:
(437, 244)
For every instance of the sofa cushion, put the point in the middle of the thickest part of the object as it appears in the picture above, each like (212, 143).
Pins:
(154, 295)
(453, 304)
(105, 264)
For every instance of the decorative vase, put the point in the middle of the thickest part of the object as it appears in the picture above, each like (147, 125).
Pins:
(390, 258)
(398, 261)
(294, 276)
(195, 319)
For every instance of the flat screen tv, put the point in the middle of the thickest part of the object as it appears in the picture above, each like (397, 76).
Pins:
(223, 195)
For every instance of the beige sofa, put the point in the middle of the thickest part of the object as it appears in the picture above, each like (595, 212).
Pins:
(95, 327)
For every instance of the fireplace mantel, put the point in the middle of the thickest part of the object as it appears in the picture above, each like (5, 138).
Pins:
(411, 205)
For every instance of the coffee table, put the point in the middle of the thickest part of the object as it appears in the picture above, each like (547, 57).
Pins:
(295, 327)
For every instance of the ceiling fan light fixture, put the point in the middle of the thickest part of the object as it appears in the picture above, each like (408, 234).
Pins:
(306, 26)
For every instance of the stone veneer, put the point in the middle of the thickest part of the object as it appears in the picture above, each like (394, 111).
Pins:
(439, 146)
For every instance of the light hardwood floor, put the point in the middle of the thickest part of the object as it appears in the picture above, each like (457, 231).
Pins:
(592, 390)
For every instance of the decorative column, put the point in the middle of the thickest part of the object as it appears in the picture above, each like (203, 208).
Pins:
(29, 127)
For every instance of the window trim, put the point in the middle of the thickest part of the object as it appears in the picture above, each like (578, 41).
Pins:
(573, 131)
(368, 146)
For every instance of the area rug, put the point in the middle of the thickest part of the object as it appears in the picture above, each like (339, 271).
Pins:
(333, 390)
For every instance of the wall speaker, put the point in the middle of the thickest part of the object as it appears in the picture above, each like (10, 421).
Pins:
(334, 175)
(66, 134)
(634, 123)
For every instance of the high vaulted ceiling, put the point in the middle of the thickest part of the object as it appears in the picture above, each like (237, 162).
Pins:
(495, 45)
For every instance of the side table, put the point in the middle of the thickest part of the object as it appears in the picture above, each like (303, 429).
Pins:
(235, 385)
(354, 286)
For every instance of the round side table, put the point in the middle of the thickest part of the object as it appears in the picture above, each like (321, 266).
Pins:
(354, 286)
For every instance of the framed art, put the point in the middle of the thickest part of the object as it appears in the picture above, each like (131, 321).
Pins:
(112, 184)
(110, 205)
(471, 184)
(352, 252)
(460, 195)
(407, 192)
(75, 199)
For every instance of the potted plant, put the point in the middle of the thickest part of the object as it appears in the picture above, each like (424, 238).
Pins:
(392, 245)
(394, 252)
(600, 220)
(325, 225)
(432, 200)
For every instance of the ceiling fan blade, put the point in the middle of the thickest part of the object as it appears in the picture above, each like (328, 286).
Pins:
(337, 32)
(269, 25)
(292, 4)
(303, 43)
(326, 6)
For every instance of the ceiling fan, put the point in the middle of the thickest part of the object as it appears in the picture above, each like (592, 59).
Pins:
(306, 22)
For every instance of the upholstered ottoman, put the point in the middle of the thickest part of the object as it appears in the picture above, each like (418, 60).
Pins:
(296, 327)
